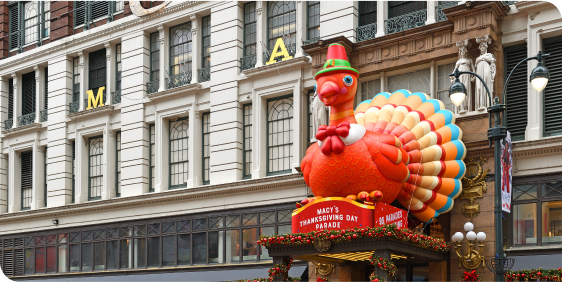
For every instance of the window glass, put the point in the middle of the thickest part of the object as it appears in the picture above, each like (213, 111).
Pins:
(180, 49)
(280, 136)
(125, 253)
(118, 164)
(63, 261)
(112, 254)
(525, 224)
(96, 166)
(216, 247)
(51, 239)
(524, 192)
(206, 120)
(140, 252)
(282, 22)
(152, 159)
(232, 246)
(154, 56)
(443, 84)
(284, 215)
(369, 89)
(248, 141)
(250, 28)
(26, 179)
(29, 261)
(118, 67)
(552, 222)
(200, 248)
(200, 224)
(183, 226)
(232, 221)
(249, 248)
(99, 255)
(179, 162)
(63, 238)
(266, 231)
(421, 273)
(267, 217)
(250, 219)
(367, 12)
(87, 257)
(552, 189)
(416, 81)
(30, 14)
(184, 249)
(154, 252)
(284, 229)
(169, 251)
(74, 257)
(39, 260)
(313, 19)
(51, 259)
(206, 46)
(216, 222)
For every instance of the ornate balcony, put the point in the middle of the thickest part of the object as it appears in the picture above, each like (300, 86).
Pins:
(152, 86)
(291, 49)
(8, 124)
(248, 62)
(204, 74)
(366, 32)
(178, 80)
(405, 22)
(44, 115)
(26, 119)
(439, 10)
(74, 107)
(310, 41)
(116, 97)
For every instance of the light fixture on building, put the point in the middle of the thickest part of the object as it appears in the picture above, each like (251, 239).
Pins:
(472, 258)
(457, 92)
(540, 75)
(55, 221)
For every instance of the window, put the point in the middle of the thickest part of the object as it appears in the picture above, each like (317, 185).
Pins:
(75, 79)
(279, 135)
(73, 169)
(46, 18)
(206, 119)
(180, 49)
(119, 6)
(118, 67)
(97, 72)
(552, 122)
(247, 124)
(30, 19)
(367, 12)
(250, 28)
(26, 179)
(443, 84)
(313, 23)
(10, 98)
(517, 90)
(154, 57)
(29, 22)
(91, 11)
(206, 25)
(369, 89)
(118, 164)
(281, 22)
(95, 168)
(536, 211)
(28, 97)
(152, 149)
(179, 162)
(399, 8)
(417, 81)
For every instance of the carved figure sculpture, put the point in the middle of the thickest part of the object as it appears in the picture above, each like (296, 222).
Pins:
(486, 68)
(465, 64)
(139, 11)
(401, 146)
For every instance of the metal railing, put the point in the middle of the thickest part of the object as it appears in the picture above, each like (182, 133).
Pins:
(116, 97)
(74, 107)
(310, 41)
(440, 16)
(178, 80)
(366, 32)
(152, 86)
(291, 49)
(204, 74)
(104, 99)
(8, 124)
(44, 115)
(248, 62)
(405, 22)
(26, 119)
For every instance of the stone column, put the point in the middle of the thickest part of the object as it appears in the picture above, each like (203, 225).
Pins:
(195, 153)
(261, 35)
(301, 27)
(110, 74)
(339, 18)
(431, 18)
(226, 113)
(59, 159)
(3, 158)
(162, 36)
(16, 110)
(196, 47)
(298, 127)
(384, 86)
(382, 14)
(109, 158)
(14, 195)
(433, 80)
(39, 89)
(38, 188)
(83, 65)
(134, 141)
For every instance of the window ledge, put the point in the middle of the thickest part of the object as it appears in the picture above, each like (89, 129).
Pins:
(88, 113)
(545, 142)
(22, 129)
(528, 250)
(471, 115)
(173, 92)
(283, 66)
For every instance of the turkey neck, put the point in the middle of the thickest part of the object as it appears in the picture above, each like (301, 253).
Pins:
(342, 112)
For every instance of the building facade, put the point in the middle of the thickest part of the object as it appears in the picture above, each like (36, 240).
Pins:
(161, 138)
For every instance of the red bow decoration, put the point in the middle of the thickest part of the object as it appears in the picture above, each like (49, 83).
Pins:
(329, 135)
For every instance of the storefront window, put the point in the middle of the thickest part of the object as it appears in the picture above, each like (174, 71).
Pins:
(200, 248)
(525, 224)
(154, 252)
(51, 259)
(140, 252)
(249, 248)
(232, 246)
(112, 254)
(74, 258)
(63, 262)
(29, 261)
(216, 247)
(169, 251)
(184, 249)
(552, 222)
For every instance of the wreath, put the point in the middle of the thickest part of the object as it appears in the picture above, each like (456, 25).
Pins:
(383, 264)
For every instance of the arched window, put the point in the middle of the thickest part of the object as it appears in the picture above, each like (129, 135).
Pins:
(180, 49)
(281, 22)
(179, 163)
(95, 164)
(279, 135)
(31, 12)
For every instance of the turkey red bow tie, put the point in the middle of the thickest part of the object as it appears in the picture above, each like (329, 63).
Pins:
(329, 135)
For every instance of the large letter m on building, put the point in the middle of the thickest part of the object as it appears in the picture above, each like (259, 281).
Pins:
(97, 101)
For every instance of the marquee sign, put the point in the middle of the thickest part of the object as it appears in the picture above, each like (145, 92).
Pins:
(336, 213)
(279, 51)
(94, 102)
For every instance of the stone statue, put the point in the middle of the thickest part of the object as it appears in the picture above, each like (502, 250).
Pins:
(319, 114)
(485, 68)
(465, 64)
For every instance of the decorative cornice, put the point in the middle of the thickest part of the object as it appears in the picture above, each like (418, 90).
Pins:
(171, 93)
(88, 113)
(22, 129)
(280, 66)
(170, 196)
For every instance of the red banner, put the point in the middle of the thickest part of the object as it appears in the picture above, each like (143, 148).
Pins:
(387, 214)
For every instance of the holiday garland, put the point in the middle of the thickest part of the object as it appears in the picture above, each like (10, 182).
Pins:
(405, 235)
(275, 271)
(383, 264)
(322, 279)
(534, 274)
(470, 276)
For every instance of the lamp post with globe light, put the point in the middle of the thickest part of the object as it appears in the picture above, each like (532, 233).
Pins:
(457, 92)
(472, 258)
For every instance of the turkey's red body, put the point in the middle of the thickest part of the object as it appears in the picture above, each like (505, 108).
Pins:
(350, 172)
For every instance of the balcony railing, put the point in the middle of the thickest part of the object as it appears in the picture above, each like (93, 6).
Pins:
(204, 74)
(248, 62)
(152, 86)
(44, 115)
(26, 119)
(291, 49)
(104, 99)
(405, 22)
(116, 97)
(366, 32)
(439, 10)
(8, 124)
(74, 107)
(310, 41)
(178, 80)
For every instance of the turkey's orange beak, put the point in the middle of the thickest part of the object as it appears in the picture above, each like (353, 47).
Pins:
(328, 92)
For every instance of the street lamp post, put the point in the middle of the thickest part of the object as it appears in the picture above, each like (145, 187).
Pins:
(539, 78)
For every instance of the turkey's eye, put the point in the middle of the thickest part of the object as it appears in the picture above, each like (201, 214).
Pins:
(348, 80)
(314, 87)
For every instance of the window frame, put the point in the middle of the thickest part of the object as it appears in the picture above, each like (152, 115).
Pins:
(43, 24)
(117, 163)
(203, 46)
(102, 56)
(268, 45)
(361, 13)
(90, 198)
(73, 170)
(407, 6)
(29, 154)
(45, 174)
(88, 20)
(118, 65)
(152, 55)
(171, 35)
(309, 4)
(279, 172)
(76, 72)
(246, 174)
(151, 164)
(246, 24)
(203, 158)
(177, 186)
